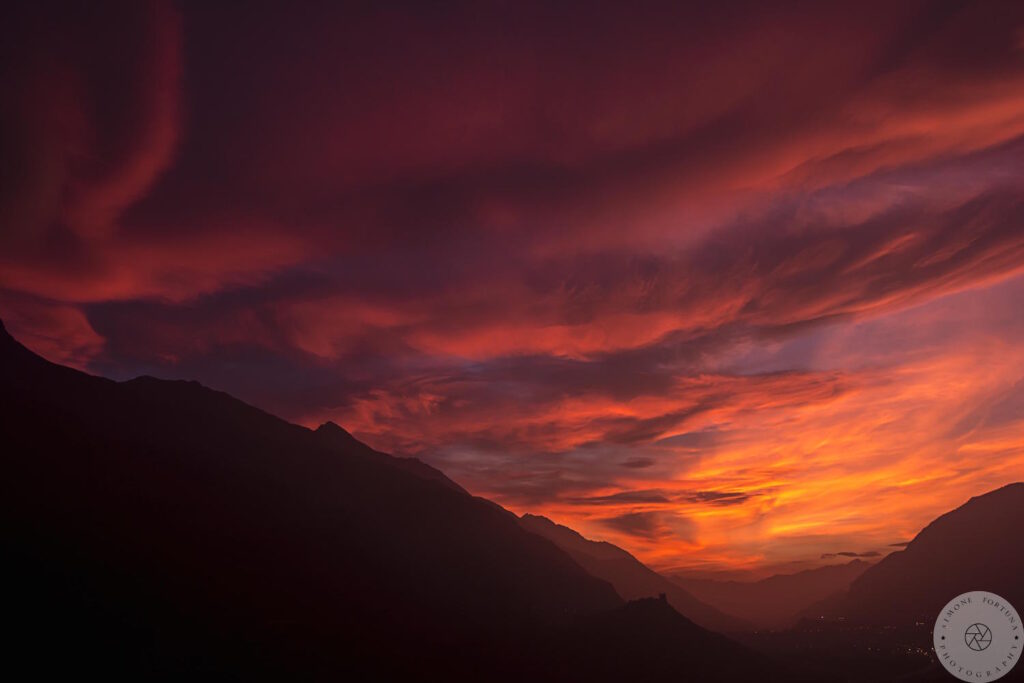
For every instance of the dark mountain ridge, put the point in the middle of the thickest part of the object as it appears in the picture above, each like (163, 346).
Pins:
(159, 529)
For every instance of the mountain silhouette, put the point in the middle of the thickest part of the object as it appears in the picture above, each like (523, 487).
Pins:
(776, 601)
(974, 547)
(631, 578)
(336, 436)
(160, 530)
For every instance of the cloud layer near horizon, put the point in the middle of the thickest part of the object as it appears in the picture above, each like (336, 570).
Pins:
(719, 285)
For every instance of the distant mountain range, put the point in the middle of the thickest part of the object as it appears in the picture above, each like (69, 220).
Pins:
(777, 601)
(161, 530)
(631, 579)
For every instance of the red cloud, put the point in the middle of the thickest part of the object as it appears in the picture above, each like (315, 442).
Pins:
(94, 106)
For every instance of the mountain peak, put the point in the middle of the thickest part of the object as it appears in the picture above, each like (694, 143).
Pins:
(339, 437)
(330, 427)
(338, 434)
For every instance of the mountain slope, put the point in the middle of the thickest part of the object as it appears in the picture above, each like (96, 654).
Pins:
(158, 529)
(630, 577)
(974, 547)
(776, 601)
(336, 436)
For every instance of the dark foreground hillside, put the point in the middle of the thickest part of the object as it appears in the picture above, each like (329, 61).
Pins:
(159, 529)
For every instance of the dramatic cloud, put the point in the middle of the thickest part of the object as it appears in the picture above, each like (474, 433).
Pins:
(719, 284)
(92, 116)
(650, 525)
(850, 553)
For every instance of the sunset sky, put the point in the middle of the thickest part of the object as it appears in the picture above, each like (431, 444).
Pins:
(735, 287)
